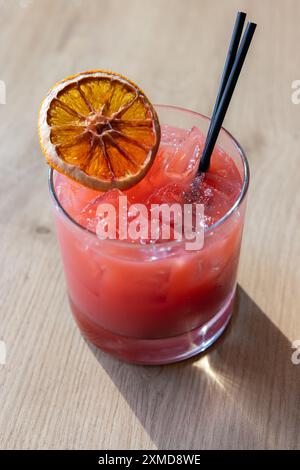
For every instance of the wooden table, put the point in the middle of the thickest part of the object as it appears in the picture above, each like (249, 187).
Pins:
(55, 392)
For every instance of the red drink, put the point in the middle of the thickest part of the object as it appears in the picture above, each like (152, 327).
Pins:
(152, 301)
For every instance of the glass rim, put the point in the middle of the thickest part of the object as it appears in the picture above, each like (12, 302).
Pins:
(162, 244)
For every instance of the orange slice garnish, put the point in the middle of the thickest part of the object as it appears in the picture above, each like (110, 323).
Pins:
(99, 129)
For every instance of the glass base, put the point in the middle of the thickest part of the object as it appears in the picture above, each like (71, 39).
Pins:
(155, 351)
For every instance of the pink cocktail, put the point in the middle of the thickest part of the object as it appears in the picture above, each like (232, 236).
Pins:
(151, 301)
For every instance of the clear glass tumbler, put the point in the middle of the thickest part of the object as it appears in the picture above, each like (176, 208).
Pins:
(155, 304)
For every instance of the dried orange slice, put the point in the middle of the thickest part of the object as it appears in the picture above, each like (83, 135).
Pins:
(100, 129)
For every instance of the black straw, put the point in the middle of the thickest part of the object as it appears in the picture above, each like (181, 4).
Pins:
(232, 50)
(223, 100)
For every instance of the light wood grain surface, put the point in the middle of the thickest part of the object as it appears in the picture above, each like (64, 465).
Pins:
(55, 390)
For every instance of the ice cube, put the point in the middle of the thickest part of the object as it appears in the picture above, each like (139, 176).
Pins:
(72, 195)
(169, 194)
(167, 226)
(214, 194)
(88, 216)
(178, 157)
(157, 175)
(185, 161)
(224, 166)
(216, 202)
(173, 136)
(223, 184)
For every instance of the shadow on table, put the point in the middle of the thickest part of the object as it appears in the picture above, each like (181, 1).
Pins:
(243, 393)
